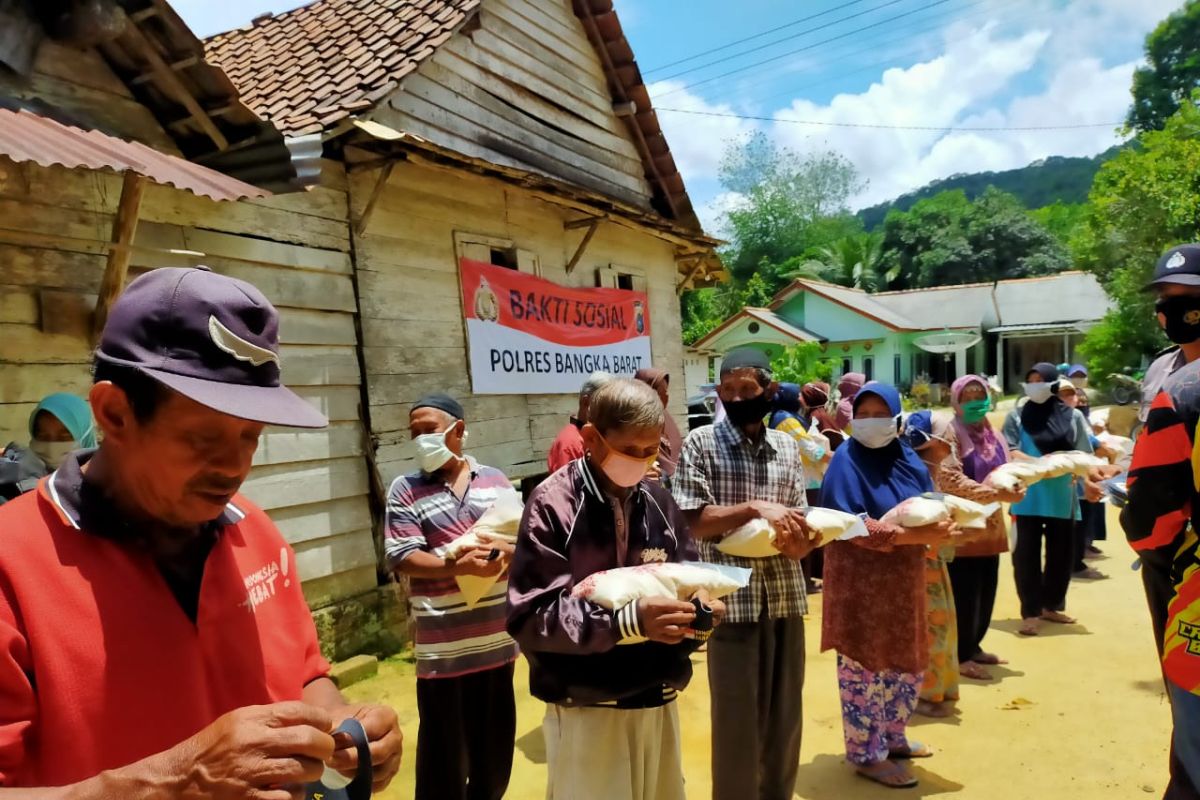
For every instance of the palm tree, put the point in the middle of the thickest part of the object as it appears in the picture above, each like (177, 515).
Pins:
(855, 261)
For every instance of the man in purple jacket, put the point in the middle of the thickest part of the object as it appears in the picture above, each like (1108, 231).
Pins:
(609, 678)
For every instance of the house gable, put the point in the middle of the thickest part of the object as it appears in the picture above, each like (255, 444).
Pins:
(829, 320)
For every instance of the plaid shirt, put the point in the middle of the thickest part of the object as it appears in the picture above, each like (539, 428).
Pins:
(720, 466)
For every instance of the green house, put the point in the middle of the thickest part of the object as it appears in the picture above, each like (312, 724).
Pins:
(888, 335)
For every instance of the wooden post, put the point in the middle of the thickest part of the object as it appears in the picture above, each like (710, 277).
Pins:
(587, 238)
(384, 175)
(117, 267)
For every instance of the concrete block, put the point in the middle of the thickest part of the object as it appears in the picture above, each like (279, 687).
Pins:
(353, 670)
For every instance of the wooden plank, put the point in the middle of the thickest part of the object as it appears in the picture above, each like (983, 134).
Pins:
(501, 47)
(303, 326)
(333, 175)
(37, 218)
(385, 253)
(381, 180)
(386, 333)
(283, 485)
(483, 433)
(499, 66)
(286, 446)
(304, 523)
(444, 128)
(14, 422)
(492, 116)
(26, 344)
(475, 407)
(116, 268)
(553, 28)
(410, 284)
(316, 201)
(338, 403)
(18, 304)
(32, 382)
(591, 84)
(321, 592)
(313, 365)
(533, 104)
(335, 554)
(234, 247)
(84, 67)
(166, 204)
(283, 287)
(431, 310)
(392, 360)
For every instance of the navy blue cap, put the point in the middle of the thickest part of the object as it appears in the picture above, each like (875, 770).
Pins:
(212, 338)
(1178, 265)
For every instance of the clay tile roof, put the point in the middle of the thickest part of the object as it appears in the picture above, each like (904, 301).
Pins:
(324, 58)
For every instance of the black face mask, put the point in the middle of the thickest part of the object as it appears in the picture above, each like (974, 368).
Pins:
(1182, 314)
(746, 412)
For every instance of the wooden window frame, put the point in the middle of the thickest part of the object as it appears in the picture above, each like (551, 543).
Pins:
(610, 277)
(470, 245)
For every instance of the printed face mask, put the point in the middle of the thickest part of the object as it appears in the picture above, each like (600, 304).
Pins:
(624, 471)
(52, 453)
(1182, 315)
(432, 452)
(874, 432)
(975, 410)
(747, 412)
(1038, 392)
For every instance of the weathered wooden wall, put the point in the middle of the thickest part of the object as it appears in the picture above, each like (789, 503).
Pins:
(523, 88)
(412, 325)
(54, 225)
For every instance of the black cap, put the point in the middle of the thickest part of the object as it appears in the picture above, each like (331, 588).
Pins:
(442, 402)
(212, 338)
(745, 358)
(1178, 265)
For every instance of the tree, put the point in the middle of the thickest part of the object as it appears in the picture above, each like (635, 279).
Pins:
(802, 363)
(789, 204)
(1061, 219)
(1172, 72)
(851, 261)
(948, 239)
(1144, 201)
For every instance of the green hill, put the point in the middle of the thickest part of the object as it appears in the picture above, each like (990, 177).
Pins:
(1058, 178)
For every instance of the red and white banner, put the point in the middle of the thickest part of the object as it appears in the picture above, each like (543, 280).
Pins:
(530, 336)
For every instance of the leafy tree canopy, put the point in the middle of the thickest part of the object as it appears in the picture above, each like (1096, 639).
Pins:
(1172, 71)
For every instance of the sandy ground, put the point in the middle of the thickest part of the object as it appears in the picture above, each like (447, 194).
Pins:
(1078, 713)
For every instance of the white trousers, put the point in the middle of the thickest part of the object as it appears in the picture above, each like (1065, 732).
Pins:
(613, 754)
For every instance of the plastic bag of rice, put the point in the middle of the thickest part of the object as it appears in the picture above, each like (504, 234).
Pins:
(614, 588)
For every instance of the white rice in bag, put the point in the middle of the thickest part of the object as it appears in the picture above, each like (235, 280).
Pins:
(917, 512)
(498, 524)
(615, 588)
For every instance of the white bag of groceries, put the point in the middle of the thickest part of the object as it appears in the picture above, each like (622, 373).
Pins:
(967, 514)
(1016, 474)
(498, 524)
(615, 588)
(756, 539)
(917, 512)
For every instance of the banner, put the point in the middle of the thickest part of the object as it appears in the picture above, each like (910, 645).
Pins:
(530, 336)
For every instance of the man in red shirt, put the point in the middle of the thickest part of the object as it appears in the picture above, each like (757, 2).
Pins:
(154, 640)
(568, 445)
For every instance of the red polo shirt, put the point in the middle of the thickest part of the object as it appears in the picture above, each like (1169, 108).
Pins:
(100, 666)
(567, 446)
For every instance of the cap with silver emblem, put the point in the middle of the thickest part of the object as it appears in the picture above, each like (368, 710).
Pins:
(212, 338)
(1178, 265)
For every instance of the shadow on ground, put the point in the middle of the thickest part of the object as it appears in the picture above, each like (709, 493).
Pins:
(828, 777)
(1047, 630)
(533, 745)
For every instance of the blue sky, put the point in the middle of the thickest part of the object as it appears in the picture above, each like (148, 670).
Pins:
(919, 63)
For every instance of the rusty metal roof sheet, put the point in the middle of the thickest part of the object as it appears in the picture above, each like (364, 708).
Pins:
(26, 136)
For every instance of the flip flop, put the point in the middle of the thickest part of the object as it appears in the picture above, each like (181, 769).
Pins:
(1058, 618)
(975, 671)
(987, 659)
(893, 776)
(914, 750)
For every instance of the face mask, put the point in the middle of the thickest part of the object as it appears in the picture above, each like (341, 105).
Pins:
(432, 452)
(874, 432)
(746, 412)
(975, 410)
(1182, 315)
(52, 453)
(624, 471)
(1038, 392)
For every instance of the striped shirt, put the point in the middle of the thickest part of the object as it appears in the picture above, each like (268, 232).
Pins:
(423, 513)
(720, 466)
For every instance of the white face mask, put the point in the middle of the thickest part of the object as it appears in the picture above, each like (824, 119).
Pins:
(1038, 392)
(52, 453)
(874, 432)
(432, 452)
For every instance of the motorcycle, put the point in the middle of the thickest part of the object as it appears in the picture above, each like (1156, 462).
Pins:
(1126, 388)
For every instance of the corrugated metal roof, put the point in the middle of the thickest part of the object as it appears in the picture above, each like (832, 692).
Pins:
(1066, 297)
(863, 303)
(26, 136)
(966, 306)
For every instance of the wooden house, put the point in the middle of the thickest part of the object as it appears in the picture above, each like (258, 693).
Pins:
(399, 136)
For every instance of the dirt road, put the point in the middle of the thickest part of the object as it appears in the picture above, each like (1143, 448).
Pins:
(1078, 714)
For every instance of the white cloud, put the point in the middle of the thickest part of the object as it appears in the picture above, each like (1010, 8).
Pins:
(697, 141)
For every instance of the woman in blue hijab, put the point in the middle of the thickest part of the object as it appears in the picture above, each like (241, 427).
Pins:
(59, 424)
(875, 589)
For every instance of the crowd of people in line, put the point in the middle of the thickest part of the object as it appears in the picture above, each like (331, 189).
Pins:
(176, 653)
